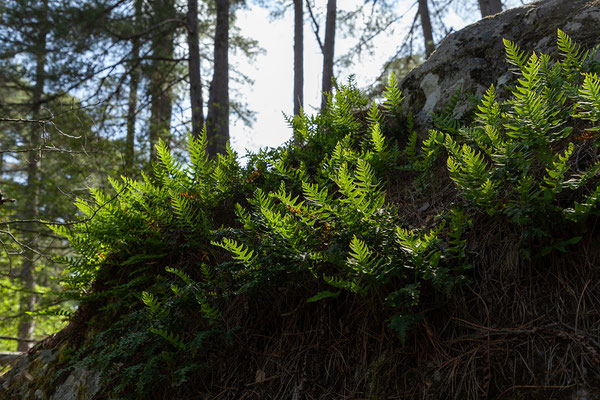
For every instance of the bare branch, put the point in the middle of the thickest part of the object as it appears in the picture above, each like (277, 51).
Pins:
(18, 339)
(316, 26)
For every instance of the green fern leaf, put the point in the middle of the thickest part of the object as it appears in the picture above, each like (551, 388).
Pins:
(392, 97)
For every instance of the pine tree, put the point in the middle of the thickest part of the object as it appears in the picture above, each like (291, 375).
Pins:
(426, 25)
(165, 21)
(194, 68)
(217, 119)
(298, 56)
(328, 51)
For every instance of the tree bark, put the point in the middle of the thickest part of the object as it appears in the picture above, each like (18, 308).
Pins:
(134, 76)
(490, 7)
(29, 299)
(426, 24)
(328, 51)
(298, 56)
(217, 119)
(161, 92)
(194, 68)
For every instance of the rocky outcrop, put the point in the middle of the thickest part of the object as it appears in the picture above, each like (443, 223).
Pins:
(6, 357)
(37, 375)
(474, 57)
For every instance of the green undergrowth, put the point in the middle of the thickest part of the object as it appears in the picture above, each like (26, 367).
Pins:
(164, 256)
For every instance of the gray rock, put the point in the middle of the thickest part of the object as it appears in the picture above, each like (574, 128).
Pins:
(6, 357)
(474, 57)
(80, 385)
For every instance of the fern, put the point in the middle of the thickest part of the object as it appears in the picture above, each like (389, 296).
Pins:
(377, 139)
(239, 250)
(401, 324)
(514, 55)
(151, 303)
(359, 253)
(556, 173)
(589, 105)
(374, 117)
(392, 97)
(170, 337)
(573, 58)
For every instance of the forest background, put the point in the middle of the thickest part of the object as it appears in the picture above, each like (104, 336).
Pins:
(87, 90)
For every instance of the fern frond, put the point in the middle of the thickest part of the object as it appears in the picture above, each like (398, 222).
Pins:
(581, 210)
(556, 173)
(182, 275)
(514, 55)
(365, 176)
(489, 109)
(374, 117)
(240, 251)
(207, 272)
(377, 139)
(393, 98)
(589, 103)
(573, 59)
(314, 194)
(340, 283)
(402, 324)
(151, 303)
(201, 164)
(171, 337)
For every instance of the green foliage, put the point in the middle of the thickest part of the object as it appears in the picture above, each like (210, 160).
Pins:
(315, 215)
(133, 233)
(327, 222)
(392, 97)
(136, 220)
(516, 159)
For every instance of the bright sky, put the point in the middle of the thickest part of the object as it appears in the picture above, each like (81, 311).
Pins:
(272, 72)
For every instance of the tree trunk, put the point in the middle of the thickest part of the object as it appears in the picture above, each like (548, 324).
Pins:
(328, 51)
(194, 68)
(490, 7)
(298, 56)
(29, 298)
(426, 24)
(217, 119)
(160, 85)
(134, 76)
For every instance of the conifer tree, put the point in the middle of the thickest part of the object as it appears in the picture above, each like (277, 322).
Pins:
(217, 119)
(298, 56)
(328, 51)
(134, 78)
(32, 201)
(165, 22)
(426, 25)
(194, 68)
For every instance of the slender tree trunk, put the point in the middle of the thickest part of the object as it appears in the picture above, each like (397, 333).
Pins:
(1, 166)
(426, 24)
(132, 101)
(490, 7)
(217, 119)
(29, 299)
(328, 51)
(298, 56)
(161, 92)
(194, 68)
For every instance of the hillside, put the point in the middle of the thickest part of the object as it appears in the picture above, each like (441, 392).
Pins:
(440, 244)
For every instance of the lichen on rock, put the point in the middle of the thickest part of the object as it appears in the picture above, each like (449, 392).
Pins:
(475, 56)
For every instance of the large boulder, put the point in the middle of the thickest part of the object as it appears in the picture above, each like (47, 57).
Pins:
(474, 57)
